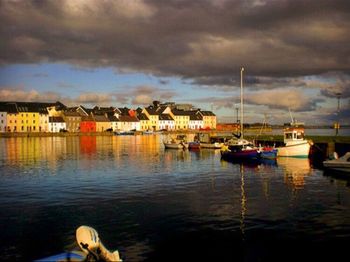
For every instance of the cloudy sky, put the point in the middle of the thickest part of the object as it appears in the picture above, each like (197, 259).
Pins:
(296, 55)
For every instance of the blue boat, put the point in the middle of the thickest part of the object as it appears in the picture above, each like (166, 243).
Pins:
(268, 152)
(65, 256)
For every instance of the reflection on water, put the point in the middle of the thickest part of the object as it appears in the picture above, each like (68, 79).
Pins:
(150, 202)
(243, 201)
(295, 170)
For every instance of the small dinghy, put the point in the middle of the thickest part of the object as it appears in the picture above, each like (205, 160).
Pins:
(91, 246)
(341, 164)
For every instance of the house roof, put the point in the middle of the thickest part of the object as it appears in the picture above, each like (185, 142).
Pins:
(87, 119)
(56, 119)
(112, 118)
(177, 112)
(101, 118)
(165, 117)
(152, 110)
(142, 116)
(30, 107)
(196, 117)
(72, 113)
(8, 107)
(207, 113)
(128, 118)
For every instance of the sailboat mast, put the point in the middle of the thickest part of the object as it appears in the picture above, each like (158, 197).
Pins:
(242, 69)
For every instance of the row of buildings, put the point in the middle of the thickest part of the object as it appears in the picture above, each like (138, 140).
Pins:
(56, 117)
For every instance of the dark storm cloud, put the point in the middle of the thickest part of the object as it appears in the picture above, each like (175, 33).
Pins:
(192, 39)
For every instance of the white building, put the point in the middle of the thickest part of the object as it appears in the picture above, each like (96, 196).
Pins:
(56, 124)
(128, 123)
(196, 121)
(43, 122)
(166, 122)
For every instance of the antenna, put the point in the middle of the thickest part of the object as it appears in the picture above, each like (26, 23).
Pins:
(290, 113)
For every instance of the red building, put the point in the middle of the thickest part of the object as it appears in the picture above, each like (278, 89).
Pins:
(87, 124)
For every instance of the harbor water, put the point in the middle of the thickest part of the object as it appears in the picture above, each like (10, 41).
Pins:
(154, 204)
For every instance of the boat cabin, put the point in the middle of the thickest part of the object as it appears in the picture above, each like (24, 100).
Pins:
(294, 134)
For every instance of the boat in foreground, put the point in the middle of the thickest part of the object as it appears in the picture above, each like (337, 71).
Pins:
(339, 164)
(91, 246)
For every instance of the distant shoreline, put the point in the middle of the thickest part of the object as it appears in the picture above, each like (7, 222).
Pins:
(266, 136)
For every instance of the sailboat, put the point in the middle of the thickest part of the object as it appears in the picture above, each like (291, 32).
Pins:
(242, 149)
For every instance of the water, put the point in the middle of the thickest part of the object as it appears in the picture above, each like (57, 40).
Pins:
(166, 205)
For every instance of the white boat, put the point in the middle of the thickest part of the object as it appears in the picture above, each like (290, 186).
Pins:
(91, 247)
(295, 144)
(340, 164)
(212, 142)
(180, 142)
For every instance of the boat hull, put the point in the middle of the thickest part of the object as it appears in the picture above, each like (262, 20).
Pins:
(268, 153)
(194, 145)
(294, 150)
(244, 154)
(175, 145)
(341, 164)
(212, 145)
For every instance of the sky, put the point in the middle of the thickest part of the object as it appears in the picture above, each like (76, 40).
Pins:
(295, 54)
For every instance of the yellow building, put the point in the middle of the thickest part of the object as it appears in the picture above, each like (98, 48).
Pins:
(209, 119)
(145, 123)
(102, 123)
(11, 122)
(32, 117)
(26, 116)
(182, 119)
(153, 119)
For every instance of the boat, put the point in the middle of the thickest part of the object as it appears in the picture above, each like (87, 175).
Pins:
(125, 133)
(91, 247)
(268, 152)
(212, 142)
(148, 132)
(194, 145)
(238, 148)
(180, 142)
(338, 163)
(295, 144)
